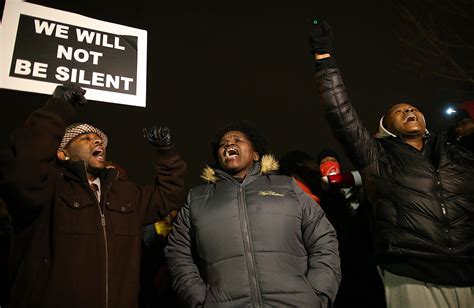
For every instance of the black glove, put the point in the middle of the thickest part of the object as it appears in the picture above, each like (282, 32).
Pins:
(71, 93)
(158, 136)
(321, 38)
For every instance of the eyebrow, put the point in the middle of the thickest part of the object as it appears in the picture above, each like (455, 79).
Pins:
(393, 109)
(233, 136)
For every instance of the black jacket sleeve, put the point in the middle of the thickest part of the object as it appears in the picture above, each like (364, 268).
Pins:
(26, 173)
(343, 119)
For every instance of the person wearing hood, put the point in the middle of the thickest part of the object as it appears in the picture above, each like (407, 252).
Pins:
(77, 223)
(251, 237)
(420, 188)
(464, 131)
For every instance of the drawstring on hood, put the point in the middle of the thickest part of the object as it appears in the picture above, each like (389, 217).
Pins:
(383, 132)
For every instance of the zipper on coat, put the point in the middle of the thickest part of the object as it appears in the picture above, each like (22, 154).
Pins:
(104, 233)
(444, 210)
(249, 254)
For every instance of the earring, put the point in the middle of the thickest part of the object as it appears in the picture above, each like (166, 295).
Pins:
(66, 158)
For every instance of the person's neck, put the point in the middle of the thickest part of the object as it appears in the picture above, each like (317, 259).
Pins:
(415, 141)
(91, 177)
(240, 175)
(239, 179)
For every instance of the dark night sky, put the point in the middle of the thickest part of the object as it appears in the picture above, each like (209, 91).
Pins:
(210, 62)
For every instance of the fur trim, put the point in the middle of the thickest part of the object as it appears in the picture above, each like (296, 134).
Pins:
(209, 175)
(268, 164)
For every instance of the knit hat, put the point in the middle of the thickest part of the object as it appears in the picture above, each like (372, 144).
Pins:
(76, 129)
(465, 111)
(326, 153)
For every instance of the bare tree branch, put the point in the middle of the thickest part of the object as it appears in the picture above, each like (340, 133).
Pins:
(436, 37)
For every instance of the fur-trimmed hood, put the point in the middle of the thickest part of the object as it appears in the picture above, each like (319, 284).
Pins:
(268, 164)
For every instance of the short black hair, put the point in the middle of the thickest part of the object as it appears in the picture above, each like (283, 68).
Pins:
(256, 137)
(461, 115)
(293, 162)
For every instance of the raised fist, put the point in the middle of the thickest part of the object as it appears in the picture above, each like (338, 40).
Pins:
(158, 136)
(71, 93)
(321, 38)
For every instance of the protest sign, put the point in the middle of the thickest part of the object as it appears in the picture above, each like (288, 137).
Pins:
(43, 47)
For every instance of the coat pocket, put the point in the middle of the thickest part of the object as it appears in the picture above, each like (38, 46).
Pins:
(76, 214)
(123, 217)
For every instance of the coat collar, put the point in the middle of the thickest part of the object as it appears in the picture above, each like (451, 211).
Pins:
(266, 165)
(77, 171)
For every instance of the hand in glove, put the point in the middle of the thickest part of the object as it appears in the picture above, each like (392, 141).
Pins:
(158, 230)
(321, 38)
(163, 227)
(71, 93)
(158, 136)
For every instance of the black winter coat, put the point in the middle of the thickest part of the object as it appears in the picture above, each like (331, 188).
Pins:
(423, 201)
(259, 243)
(69, 250)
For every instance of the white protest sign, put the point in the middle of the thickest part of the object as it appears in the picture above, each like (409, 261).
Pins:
(42, 47)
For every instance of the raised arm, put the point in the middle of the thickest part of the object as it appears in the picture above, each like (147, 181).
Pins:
(169, 189)
(26, 176)
(339, 112)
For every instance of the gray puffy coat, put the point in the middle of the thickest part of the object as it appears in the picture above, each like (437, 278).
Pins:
(259, 243)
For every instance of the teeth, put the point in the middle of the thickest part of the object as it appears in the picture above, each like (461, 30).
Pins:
(409, 118)
(98, 152)
(231, 152)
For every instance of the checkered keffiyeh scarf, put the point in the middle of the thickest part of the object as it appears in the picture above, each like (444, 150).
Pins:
(76, 129)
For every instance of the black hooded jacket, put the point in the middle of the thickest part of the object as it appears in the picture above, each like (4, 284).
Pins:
(423, 201)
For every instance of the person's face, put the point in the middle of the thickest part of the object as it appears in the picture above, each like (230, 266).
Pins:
(236, 154)
(465, 128)
(406, 120)
(88, 148)
(329, 165)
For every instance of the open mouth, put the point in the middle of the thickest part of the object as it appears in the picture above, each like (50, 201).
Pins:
(410, 118)
(99, 154)
(231, 153)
